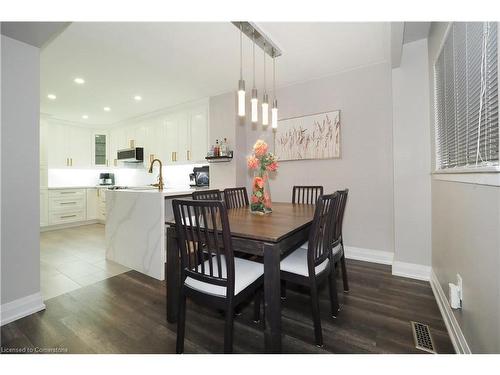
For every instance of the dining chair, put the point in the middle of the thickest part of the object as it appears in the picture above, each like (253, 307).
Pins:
(312, 266)
(337, 239)
(204, 195)
(306, 194)
(218, 280)
(236, 197)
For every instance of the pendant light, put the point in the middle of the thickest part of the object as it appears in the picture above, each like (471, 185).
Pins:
(241, 82)
(274, 110)
(254, 100)
(265, 99)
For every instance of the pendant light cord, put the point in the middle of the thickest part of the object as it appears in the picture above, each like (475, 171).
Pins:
(264, 67)
(241, 52)
(253, 37)
(274, 75)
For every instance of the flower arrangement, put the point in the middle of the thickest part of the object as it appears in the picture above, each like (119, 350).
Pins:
(261, 162)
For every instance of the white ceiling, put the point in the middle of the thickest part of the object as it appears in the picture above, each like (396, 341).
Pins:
(173, 63)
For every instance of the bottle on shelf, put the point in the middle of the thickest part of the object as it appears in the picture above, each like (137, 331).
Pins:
(223, 147)
(211, 152)
(217, 148)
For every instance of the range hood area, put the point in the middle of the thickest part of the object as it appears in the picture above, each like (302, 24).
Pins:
(131, 155)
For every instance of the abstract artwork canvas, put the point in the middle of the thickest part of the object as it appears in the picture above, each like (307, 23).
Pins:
(308, 137)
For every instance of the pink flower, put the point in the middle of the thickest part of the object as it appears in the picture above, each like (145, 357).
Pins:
(258, 182)
(272, 167)
(260, 148)
(252, 162)
(255, 199)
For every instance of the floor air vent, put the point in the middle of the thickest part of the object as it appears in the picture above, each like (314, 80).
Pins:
(422, 337)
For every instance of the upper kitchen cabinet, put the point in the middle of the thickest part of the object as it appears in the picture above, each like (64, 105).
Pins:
(117, 141)
(198, 123)
(100, 149)
(68, 146)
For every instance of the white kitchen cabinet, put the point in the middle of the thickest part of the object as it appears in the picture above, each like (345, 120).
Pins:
(101, 204)
(57, 146)
(44, 207)
(68, 146)
(198, 123)
(79, 147)
(67, 206)
(184, 138)
(100, 149)
(92, 202)
(171, 139)
(117, 141)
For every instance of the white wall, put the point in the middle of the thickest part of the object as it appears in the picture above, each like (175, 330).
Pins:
(466, 240)
(20, 258)
(412, 157)
(366, 167)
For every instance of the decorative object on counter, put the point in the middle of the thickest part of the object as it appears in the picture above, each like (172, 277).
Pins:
(160, 177)
(264, 42)
(309, 137)
(261, 162)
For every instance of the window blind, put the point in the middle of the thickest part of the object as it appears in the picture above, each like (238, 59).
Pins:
(466, 97)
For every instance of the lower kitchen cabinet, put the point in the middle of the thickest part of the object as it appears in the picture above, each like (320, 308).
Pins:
(101, 205)
(67, 206)
(92, 198)
(44, 207)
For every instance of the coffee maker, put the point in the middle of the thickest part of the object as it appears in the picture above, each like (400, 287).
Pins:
(199, 177)
(106, 179)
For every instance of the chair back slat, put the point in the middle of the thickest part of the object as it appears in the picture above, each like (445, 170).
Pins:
(236, 197)
(203, 195)
(320, 235)
(306, 194)
(204, 241)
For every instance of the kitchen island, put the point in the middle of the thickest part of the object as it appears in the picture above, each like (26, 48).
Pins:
(135, 227)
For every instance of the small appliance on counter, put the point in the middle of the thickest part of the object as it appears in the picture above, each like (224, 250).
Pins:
(106, 179)
(199, 177)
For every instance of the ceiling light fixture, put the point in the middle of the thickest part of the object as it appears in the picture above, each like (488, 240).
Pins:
(85, 117)
(107, 109)
(274, 110)
(79, 81)
(241, 82)
(52, 97)
(137, 98)
(265, 98)
(255, 99)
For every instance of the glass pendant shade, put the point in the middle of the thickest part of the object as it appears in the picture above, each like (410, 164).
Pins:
(265, 110)
(241, 98)
(274, 115)
(254, 102)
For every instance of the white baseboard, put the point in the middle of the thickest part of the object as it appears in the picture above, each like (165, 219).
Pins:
(369, 255)
(411, 270)
(454, 331)
(70, 225)
(20, 308)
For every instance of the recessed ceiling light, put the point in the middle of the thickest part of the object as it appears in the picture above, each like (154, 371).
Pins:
(79, 81)
(138, 98)
(107, 109)
(85, 117)
(52, 97)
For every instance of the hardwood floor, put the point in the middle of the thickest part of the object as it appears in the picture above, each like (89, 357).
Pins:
(126, 314)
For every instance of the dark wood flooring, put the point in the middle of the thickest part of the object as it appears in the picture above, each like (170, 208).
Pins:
(126, 314)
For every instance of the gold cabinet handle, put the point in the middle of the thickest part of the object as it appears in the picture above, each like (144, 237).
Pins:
(70, 162)
(151, 157)
(97, 192)
(67, 162)
(172, 156)
(115, 162)
(188, 155)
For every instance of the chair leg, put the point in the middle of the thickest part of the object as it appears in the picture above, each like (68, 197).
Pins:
(228, 329)
(344, 274)
(181, 323)
(283, 290)
(334, 302)
(256, 306)
(316, 316)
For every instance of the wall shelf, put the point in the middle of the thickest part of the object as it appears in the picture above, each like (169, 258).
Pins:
(219, 159)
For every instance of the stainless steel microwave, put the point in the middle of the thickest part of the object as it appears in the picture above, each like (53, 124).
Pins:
(131, 155)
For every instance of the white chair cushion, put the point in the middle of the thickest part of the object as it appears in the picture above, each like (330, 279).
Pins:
(296, 263)
(335, 250)
(245, 273)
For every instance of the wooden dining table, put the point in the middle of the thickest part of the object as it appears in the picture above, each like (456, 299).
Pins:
(271, 237)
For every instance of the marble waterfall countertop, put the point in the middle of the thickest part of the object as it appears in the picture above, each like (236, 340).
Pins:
(135, 227)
